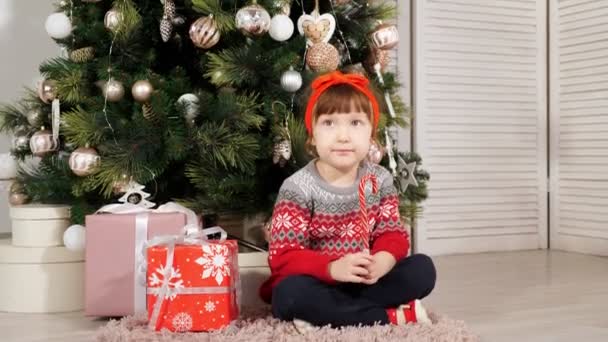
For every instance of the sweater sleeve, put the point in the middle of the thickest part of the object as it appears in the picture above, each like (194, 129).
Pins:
(390, 233)
(289, 247)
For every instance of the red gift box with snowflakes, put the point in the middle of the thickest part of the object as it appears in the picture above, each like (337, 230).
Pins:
(198, 285)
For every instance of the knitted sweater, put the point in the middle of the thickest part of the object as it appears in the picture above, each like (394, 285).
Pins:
(315, 223)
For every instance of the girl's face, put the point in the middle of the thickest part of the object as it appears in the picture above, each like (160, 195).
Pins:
(342, 140)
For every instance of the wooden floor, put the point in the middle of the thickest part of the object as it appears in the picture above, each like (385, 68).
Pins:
(522, 296)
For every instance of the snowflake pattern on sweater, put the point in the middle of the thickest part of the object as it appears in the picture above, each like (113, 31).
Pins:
(315, 223)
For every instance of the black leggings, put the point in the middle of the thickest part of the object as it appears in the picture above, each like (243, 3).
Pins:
(309, 299)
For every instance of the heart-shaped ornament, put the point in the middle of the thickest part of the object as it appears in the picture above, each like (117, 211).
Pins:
(317, 28)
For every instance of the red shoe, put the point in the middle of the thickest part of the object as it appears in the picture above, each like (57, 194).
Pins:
(412, 312)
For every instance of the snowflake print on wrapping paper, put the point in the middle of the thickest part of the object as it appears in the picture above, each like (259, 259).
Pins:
(156, 282)
(182, 322)
(210, 306)
(215, 262)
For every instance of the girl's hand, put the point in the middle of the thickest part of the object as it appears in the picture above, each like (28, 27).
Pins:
(382, 263)
(351, 268)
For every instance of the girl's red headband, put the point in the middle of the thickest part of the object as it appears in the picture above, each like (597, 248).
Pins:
(324, 82)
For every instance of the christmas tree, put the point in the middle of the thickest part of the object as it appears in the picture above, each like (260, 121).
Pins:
(200, 101)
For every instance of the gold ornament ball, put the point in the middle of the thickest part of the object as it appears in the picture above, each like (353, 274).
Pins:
(18, 199)
(112, 19)
(47, 91)
(35, 117)
(204, 33)
(16, 188)
(142, 91)
(253, 20)
(83, 161)
(113, 90)
(323, 57)
(385, 36)
(42, 142)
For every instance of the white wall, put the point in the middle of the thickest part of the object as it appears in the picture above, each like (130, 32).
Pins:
(23, 45)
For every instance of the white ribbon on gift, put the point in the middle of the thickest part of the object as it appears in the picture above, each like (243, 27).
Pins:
(141, 236)
(189, 238)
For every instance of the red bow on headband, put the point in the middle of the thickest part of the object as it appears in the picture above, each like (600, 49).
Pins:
(322, 83)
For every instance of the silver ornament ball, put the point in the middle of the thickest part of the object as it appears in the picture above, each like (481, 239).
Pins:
(190, 104)
(253, 20)
(291, 80)
(21, 141)
(142, 91)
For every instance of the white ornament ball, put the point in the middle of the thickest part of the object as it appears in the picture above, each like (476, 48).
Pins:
(191, 106)
(8, 166)
(58, 25)
(281, 27)
(291, 80)
(74, 238)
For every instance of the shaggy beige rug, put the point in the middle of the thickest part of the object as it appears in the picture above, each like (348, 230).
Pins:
(260, 326)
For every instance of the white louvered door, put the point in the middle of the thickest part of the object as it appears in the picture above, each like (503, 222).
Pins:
(579, 125)
(480, 109)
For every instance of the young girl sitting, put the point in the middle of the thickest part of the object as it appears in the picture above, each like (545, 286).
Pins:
(321, 269)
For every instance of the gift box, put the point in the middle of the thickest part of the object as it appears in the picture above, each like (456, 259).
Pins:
(39, 225)
(40, 279)
(115, 260)
(196, 288)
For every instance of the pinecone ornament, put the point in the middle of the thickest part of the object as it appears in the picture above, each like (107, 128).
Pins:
(149, 113)
(82, 55)
(281, 152)
(166, 23)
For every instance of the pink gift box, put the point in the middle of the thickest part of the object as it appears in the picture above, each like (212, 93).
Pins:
(113, 252)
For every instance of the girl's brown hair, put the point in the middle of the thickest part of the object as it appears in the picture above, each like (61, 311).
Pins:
(341, 98)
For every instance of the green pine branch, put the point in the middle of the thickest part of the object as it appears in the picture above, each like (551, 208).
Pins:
(51, 182)
(131, 20)
(82, 127)
(69, 78)
(231, 67)
(220, 146)
(11, 117)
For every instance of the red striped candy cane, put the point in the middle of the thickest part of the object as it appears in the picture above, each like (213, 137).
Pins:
(363, 206)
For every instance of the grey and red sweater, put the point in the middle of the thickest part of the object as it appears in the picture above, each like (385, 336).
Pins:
(314, 223)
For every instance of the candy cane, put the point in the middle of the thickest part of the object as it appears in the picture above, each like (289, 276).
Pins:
(363, 206)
